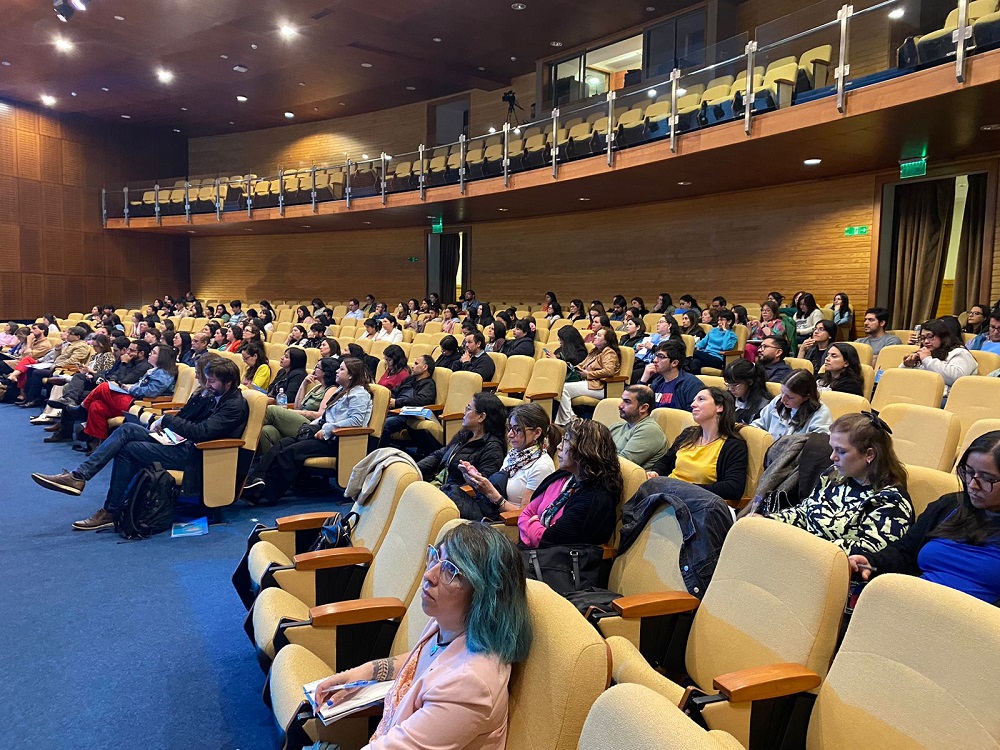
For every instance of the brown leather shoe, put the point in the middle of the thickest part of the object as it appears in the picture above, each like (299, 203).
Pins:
(100, 520)
(65, 482)
(55, 427)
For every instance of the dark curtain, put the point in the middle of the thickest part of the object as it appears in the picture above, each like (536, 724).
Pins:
(450, 256)
(969, 269)
(921, 230)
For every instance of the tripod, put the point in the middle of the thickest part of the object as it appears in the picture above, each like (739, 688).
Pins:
(512, 107)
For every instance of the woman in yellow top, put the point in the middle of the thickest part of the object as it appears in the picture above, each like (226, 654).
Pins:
(601, 364)
(712, 454)
(258, 372)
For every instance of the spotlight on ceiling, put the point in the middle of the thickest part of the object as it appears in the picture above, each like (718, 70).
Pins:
(64, 10)
(288, 31)
(48, 100)
(164, 75)
(63, 45)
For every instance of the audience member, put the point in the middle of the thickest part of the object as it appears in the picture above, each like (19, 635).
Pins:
(354, 311)
(747, 384)
(635, 332)
(292, 372)
(181, 342)
(767, 325)
(449, 317)
(956, 541)
(258, 373)
(523, 343)
(771, 356)
(719, 303)
(418, 389)
(372, 329)
(710, 351)
(942, 352)
(876, 322)
(311, 399)
(664, 304)
(843, 315)
(72, 353)
(989, 339)
(237, 316)
(577, 504)
(860, 503)
(671, 385)
(390, 331)
(495, 334)
(618, 305)
(712, 454)
(602, 363)
(639, 305)
(842, 371)
(475, 358)
(797, 411)
(691, 324)
(807, 315)
(450, 358)
(396, 370)
(976, 321)
(638, 438)
(596, 323)
(816, 346)
(644, 350)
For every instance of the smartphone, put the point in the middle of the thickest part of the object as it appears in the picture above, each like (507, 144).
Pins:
(545, 351)
(917, 329)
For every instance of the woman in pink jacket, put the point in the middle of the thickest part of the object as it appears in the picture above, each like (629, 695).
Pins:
(450, 691)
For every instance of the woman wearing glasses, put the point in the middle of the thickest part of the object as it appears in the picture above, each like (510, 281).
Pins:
(860, 503)
(534, 440)
(956, 541)
(941, 351)
(576, 505)
(451, 689)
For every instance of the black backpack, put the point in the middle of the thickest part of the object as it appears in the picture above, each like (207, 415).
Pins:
(149, 504)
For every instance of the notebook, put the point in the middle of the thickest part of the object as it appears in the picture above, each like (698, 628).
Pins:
(366, 697)
(167, 437)
(416, 411)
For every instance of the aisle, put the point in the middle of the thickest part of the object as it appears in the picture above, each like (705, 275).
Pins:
(115, 644)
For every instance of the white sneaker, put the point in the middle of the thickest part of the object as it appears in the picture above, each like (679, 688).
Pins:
(45, 418)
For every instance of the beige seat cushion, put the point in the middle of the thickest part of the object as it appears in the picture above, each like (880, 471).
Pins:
(271, 605)
(262, 556)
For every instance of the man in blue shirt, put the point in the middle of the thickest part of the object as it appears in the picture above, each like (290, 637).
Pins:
(354, 310)
(989, 341)
(672, 387)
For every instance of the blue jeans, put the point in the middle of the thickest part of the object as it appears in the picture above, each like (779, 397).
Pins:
(703, 358)
(132, 449)
(393, 424)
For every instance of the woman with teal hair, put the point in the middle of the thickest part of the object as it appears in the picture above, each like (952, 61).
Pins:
(475, 595)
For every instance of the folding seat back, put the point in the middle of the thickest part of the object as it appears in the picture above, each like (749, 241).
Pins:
(713, 381)
(977, 429)
(235, 359)
(799, 363)
(516, 374)
(864, 352)
(892, 356)
(581, 132)
(352, 442)
(815, 63)
(780, 81)
(657, 112)
(673, 422)
(923, 435)
(919, 667)
(868, 375)
(779, 63)
(987, 361)
(840, 403)
(717, 93)
(908, 386)
(972, 398)
(494, 153)
(927, 485)
(535, 143)
(689, 102)
(547, 713)
(758, 442)
(606, 412)
(500, 366)
(630, 118)
(462, 386)
(548, 376)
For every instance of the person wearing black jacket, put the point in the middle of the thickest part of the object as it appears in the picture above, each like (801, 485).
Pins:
(133, 448)
(418, 389)
(450, 358)
(523, 342)
(481, 442)
(292, 373)
(476, 359)
(956, 540)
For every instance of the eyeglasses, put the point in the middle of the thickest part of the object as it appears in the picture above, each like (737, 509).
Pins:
(515, 429)
(449, 571)
(967, 475)
(660, 357)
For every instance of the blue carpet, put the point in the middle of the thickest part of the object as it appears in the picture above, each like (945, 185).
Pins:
(115, 644)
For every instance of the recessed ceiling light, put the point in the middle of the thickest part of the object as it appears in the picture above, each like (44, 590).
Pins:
(5, 63)
(223, 57)
(555, 44)
(253, 46)
(289, 115)
(63, 45)
(518, 6)
(231, 122)
(896, 14)
(366, 222)
(119, 18)
(287, 31)
(812, 162)
(105, 88)
(342, 104)
(436, 39)
(177, 130)
(517, 130)
(126, 117)
(651, 93)
(583, 199)
(492, 130)
(240, 68)
(503, 209)
(411, 88)
(681, 92)
(306, 226)
(302, 83)
(48, 100)
(431, 217)
(240, 98)
(190, 231)
(184, 109)
(364, 156)
(990, 127)
(247, 230)
(684, 183)
(513, 59)
(315, 109)
(164, 75)
(366, 65)
(650, 8)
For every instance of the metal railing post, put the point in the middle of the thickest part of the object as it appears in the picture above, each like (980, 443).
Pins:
(843, 67)
(961, 35)
(675, 77)
(506, 154)
(249, 183)
(384, 161)
(125, 190)
(187, 201)
(611, 123)
(218, 198)
(281, 192)
(555, 144)
(748, 97)
(312, 172)
(156, 202)
(461, 163)
(347, 183)
(420, 179)
(104, 208)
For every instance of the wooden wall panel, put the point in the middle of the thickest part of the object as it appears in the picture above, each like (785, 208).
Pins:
(329, 265)
(51, 173)
(995, 291)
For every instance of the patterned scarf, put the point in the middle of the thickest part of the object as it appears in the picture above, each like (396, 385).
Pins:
(400, 687)
(518, 459)
(549, 514)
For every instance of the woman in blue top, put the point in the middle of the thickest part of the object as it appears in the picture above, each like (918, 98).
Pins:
(956, 541)
(708, 351)
(350, 406)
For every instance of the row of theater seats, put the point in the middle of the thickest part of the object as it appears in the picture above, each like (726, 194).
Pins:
(757, 634)
(983, 16)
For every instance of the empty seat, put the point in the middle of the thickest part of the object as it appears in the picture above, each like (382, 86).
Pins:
(814, 67)
(939, 45)
(908, 386)
(923, 435)
(973, 398)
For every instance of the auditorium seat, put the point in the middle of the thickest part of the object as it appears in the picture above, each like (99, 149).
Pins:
(840, 403)
(908, 386)
(939, 45)
(800, 363)
(986, 32)
(987, 361)
(462, 387)
(629, 128)
(972, 398)
(892, 356)
(814, 66)
(544, 386)
(672, 422)
(925, 485)
(536, 152)
(751, 616)
(475, 161)
(758, 443)
(582, 141)
(923, 435)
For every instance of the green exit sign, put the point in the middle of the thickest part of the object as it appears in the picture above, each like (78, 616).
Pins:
(437, 225)
(913, 168)
(413, 259)
(855, 231)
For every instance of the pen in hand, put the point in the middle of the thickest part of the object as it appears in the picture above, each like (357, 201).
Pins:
(351, 686)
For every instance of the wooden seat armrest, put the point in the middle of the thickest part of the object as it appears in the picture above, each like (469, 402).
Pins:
(435, 407)
(511, 390)
(218, 445)
(356, 611)
(159, 405)
(541, 396)
(271, 401)
(609, 552)
(654, 604)
(491, 384)
(395, 411)
(158, 400)
(732, 352)
(302, 521)
(766, 682)
(452, 417)
(351, 431)
(617, 379)
(336, 557)
(509, 517)
(170, 411)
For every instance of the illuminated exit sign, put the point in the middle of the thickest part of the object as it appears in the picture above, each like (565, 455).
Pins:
(913, 168)
(855, 231)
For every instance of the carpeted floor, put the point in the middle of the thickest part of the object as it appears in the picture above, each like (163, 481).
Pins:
(115, 644)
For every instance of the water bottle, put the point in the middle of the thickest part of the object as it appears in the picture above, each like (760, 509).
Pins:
(282, 399)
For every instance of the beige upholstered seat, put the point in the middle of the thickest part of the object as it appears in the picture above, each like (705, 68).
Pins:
(908, 386)
(544, 386)
(673, 422)
(758, 441)
(787, 611)
(840, 403)
(293, 535)
(462, 386)
(892, 356)
(395, 571)
(799, 363)
(613, 387)
(927, 485)
(972, 398)
(923, 435)
(606, 412)
(183, 388)
(977, 429)
(987, 361)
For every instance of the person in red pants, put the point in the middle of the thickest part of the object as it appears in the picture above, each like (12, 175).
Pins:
(104, 403)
